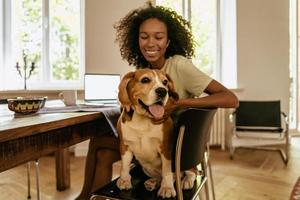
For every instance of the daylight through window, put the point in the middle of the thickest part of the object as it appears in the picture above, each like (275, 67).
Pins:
(202, 15)
(45, 36)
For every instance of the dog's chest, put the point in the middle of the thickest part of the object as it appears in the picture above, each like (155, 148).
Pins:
(142, 137)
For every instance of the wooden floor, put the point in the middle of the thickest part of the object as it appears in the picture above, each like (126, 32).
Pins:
(252, 175)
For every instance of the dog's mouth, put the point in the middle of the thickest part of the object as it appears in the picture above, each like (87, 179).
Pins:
(156, 110)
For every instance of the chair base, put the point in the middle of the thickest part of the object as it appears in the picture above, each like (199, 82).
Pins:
(283, 153)
(138, 191)
(274, 144)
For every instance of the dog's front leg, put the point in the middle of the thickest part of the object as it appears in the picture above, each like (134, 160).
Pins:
(167, 189)
(189, 178)
(124, 182)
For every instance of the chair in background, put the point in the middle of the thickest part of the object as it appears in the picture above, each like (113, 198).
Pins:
(4, 101)
(262, 125)
(191, 150)
(37, 175)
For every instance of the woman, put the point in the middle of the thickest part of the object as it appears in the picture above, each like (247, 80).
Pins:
(158, 38)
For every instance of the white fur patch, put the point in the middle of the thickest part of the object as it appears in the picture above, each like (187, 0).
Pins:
(144, 139)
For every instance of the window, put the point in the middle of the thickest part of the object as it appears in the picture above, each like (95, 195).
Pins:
(203, 18)
(45, 37)
(215, 52)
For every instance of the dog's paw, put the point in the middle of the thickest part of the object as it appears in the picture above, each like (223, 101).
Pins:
(188, 180)
(166, 192)
(151, 184)
(124, 183)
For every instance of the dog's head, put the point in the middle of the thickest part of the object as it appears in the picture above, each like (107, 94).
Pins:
(146, 92)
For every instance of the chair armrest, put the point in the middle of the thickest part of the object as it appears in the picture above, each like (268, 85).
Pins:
(286, 121)
(231, 116)
(232, 122)
(283, 113)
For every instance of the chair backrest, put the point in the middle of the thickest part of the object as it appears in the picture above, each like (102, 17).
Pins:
(263, 115)
(197, 124)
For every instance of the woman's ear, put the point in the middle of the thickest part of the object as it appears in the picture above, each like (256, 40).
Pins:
(172, 92)
(123, 91)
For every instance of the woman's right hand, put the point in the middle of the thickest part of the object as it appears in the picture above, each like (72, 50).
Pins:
(171, 106)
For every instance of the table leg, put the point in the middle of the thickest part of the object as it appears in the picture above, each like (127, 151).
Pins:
(62, 169)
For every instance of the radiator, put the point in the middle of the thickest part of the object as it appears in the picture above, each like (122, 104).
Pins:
(218, 128)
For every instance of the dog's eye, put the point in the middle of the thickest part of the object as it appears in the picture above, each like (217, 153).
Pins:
(165, 82)
(146, 80)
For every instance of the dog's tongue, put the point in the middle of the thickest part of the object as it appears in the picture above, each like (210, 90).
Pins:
(157, 110)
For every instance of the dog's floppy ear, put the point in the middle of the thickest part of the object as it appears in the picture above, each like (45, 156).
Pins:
(171, 87)
(123, 93)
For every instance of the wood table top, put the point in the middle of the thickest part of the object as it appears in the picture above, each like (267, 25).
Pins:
(13, 125)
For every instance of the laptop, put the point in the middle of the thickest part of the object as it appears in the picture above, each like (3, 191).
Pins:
(101, 89)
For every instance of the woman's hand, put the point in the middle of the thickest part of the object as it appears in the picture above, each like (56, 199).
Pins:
(170, 107)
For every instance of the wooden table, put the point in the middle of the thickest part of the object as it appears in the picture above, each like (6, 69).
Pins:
(27, 137)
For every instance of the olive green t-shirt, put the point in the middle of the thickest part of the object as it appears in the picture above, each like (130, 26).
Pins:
(189, 81)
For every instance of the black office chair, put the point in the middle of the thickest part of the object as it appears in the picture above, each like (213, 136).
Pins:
(260, 125)
(190, 151)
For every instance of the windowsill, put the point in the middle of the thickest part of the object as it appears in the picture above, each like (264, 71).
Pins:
(51, 94)
(36, 91)
(237, 90)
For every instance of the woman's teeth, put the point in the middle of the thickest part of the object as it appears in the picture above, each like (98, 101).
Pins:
(151, 52)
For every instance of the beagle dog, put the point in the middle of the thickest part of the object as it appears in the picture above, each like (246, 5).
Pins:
(143, 95)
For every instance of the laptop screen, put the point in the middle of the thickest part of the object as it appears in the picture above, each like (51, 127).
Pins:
(101, 86)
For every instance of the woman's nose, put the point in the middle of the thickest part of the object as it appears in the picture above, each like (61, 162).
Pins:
(150, 42)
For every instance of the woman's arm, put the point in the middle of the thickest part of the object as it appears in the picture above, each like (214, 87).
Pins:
(218, 97)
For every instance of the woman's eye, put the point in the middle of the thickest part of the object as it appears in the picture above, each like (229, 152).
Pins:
(143, 36)
(165, 82)
(145, 80)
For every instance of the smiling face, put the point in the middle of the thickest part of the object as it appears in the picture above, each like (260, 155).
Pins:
(146, 92)
(153, 41)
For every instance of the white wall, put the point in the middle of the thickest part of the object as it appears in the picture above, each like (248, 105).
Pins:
(102, 54)
(263, 50)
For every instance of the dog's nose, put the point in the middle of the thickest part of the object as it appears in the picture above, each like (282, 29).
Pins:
(161, 92)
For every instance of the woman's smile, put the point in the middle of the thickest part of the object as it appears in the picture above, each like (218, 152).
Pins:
(151, 53)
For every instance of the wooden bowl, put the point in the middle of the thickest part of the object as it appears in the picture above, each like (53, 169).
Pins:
(26, 105)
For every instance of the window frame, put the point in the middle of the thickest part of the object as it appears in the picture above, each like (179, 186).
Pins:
(225, 69)
(294, 114)
(45, 83)
(187, 14)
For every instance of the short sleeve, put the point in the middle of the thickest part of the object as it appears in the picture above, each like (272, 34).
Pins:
(193, 80)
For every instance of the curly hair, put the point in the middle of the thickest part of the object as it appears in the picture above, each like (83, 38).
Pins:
(178, 29)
